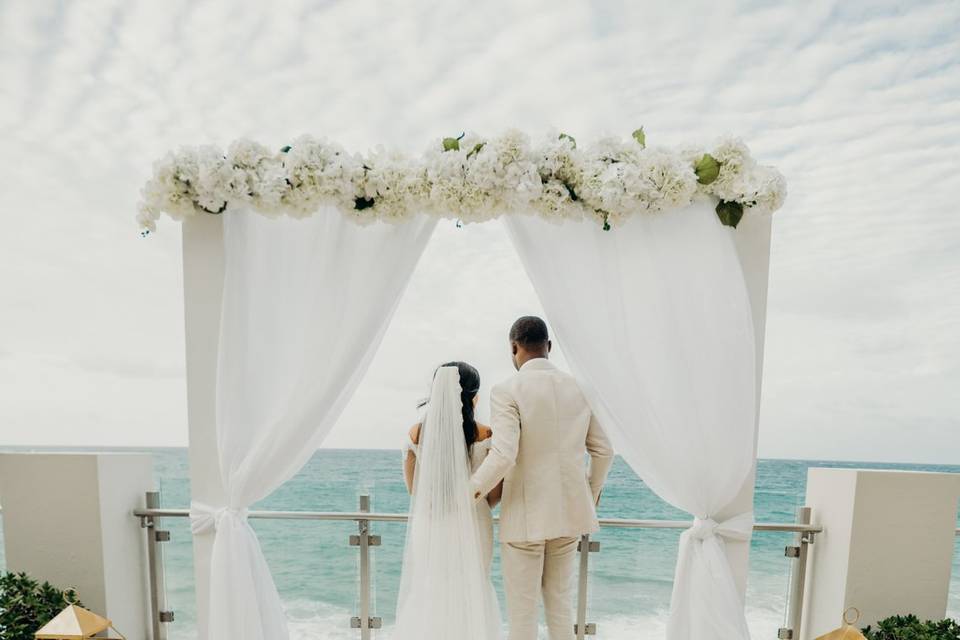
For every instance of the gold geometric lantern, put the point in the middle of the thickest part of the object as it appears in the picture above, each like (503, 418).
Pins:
(74, 623)
(848, 631)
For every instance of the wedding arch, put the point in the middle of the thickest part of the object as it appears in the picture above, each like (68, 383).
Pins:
(651, 265)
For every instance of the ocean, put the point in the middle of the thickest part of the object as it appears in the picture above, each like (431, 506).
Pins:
(630, 579)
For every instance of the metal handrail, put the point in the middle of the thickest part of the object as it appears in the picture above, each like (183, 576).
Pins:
(355, 516)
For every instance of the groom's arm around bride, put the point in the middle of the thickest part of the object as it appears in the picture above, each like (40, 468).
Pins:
(542, 429)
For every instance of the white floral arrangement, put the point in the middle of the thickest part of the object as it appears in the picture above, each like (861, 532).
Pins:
(469, 178)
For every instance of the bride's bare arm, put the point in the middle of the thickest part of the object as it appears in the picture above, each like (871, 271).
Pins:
(410, 460)
(493, 498)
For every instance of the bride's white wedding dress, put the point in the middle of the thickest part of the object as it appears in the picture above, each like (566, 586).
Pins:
(478, 453)
(445, 588)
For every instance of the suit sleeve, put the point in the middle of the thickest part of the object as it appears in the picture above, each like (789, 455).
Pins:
(601, 457)
(504, 445)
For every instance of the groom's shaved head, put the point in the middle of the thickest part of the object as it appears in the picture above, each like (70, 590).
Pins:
(530, 332)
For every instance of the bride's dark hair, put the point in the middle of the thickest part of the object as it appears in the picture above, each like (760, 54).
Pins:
(469, 387)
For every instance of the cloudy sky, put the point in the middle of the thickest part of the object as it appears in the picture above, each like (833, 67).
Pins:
(858, 103)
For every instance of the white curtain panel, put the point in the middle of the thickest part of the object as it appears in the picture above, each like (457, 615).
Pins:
(305, 306)
(654, 318)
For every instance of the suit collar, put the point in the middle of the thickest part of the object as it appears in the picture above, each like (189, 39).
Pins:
(537, 364)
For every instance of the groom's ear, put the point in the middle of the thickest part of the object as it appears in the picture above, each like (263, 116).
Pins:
(549, 345)
(513, 348)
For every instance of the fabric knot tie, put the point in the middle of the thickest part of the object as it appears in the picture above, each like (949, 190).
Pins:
(703, 528)
(204, 518)
(739, 527)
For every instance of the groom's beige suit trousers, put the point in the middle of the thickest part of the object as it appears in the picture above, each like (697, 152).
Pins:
(543, 430)
(534, 568)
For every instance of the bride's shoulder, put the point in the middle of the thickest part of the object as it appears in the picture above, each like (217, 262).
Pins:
(415, 433)
(483, 432)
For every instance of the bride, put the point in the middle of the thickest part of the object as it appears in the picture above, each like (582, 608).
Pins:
(445, 588)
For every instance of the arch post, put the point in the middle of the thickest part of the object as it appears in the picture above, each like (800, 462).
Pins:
(203, 269)
(752, 238)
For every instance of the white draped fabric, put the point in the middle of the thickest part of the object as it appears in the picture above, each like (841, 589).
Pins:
(655, 320)
(305, 305)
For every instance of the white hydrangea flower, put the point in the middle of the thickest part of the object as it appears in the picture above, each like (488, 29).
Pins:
(767, 191)
(170, 188)
(623, 178)
(216, 182)
(450, 194)
(735, 166)
(670, 180)
(247, 160)
(502, 175)
(320, 173)
(560, 167)
(394, 185)
(270, 187)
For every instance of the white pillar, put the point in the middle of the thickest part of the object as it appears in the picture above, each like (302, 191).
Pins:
(886, 547)
(752, 238)
(68, 519)
(202, 298)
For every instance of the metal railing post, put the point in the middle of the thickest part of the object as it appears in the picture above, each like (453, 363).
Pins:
(159, 614)
(582, 627)
(798, 577)
(365, 622)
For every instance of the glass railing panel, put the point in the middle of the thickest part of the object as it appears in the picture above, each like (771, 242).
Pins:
(313, 565)
(315, 571)
(953, 601)
(630, 578)
(172, 473)
(777, 497)
(388, 495)
(630, 581)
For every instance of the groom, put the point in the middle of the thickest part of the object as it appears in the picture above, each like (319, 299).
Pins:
(542, 427)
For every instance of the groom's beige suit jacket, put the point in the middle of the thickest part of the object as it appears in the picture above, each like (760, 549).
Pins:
(542, 429)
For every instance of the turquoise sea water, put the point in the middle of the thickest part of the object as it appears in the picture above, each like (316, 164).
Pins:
(630, 580)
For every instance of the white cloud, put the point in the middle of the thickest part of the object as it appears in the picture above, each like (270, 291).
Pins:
(857, 102)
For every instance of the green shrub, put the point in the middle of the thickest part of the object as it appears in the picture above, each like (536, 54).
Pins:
(26, 605)
(909, 627)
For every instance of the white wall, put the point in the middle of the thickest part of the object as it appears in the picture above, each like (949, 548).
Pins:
(67, 519)
(886, 548)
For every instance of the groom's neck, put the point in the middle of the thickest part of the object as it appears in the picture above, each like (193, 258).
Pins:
(524, 357)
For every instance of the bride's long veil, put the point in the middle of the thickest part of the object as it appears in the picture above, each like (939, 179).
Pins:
(445, 593)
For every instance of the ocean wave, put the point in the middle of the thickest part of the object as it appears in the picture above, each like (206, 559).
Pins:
(311, 620)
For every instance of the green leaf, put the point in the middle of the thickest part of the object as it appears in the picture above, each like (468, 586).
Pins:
(567, 136)
(640, 137)
(285, 148)
(453, 144)
(707, 169)
(730, 213)
(476, 149)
